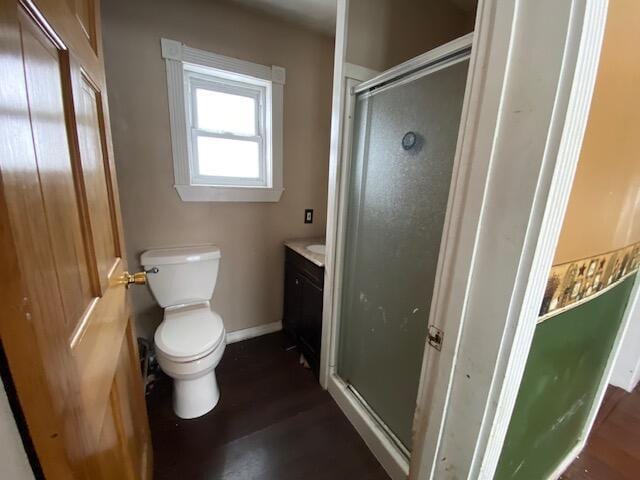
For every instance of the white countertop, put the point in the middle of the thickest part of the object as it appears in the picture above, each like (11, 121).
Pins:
(299, 246)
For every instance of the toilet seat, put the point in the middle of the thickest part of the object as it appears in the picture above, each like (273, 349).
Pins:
(189, 332)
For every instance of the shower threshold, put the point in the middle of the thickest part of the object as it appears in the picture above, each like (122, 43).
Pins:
(383, 426)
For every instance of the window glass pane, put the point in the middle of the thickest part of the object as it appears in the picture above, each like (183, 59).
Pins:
(224, 112)
(222, 157)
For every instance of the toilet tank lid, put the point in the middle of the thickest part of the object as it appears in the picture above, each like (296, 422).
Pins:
(167, 256)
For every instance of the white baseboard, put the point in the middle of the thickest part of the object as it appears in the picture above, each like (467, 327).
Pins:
(391, 459)
(247, 333)
(629, 383)
(567, 461)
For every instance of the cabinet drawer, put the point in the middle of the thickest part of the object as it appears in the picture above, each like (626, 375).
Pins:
(310, 269)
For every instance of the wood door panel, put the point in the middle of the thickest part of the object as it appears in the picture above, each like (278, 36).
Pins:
(28, 321)
(130, 400)
(62, 17)
(96, 351)
(85, 13)
(110, 454)
(65, 323)
(96, 176)
(122, 446)
(45, 99)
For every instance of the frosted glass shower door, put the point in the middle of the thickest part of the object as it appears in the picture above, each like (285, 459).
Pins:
(405, 136)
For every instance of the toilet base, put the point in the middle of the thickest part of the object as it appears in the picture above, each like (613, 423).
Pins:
(194, 397)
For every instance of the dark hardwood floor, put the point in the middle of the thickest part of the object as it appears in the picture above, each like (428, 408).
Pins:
(273, 421)
(613, 448)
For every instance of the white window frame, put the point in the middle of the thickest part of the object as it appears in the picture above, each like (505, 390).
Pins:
(188, 67)
(194, 81)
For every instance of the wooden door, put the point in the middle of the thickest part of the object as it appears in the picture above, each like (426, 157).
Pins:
(65, 327)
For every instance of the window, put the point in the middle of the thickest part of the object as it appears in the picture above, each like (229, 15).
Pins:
(227, 130)
(226, 126)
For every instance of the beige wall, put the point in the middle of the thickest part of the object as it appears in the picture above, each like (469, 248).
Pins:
(250, 283)
(604, 209)
(384, 33)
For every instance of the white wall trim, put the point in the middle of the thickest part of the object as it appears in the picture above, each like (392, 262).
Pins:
(339, 162)
(386, 452)
(626, 372)
(358, 72)
(176, 56)
(203, 193)
(174, 50)
(333, 189)
(252, 332)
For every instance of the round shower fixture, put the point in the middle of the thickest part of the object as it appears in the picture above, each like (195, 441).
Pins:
(409, 140)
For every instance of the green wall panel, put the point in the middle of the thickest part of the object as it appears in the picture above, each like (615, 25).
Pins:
(566, 361)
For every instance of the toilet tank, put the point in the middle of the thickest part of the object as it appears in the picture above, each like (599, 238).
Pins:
(184, 274)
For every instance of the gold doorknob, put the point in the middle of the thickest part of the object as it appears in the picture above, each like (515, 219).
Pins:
(127, 279)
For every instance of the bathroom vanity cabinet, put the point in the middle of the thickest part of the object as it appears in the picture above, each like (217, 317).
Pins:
(302, 316)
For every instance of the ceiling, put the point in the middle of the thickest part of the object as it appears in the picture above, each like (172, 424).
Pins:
(318, 15)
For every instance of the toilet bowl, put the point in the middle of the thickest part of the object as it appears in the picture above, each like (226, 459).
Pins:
(191, 339)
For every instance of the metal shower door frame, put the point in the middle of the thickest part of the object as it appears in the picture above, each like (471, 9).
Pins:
(387, 447)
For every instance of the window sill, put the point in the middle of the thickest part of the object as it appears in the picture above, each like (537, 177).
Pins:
(203, 193)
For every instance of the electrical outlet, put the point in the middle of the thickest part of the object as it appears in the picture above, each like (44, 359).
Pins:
(308, 215)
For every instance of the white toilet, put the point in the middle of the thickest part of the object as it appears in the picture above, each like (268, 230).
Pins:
(191, 339)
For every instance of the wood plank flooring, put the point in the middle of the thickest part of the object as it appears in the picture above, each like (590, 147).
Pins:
(273, 421)
(613, 449)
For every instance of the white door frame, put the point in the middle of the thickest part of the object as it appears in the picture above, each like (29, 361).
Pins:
(524, 116)
(626, 372)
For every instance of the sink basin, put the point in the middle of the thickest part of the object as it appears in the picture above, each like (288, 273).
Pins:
(316, 248)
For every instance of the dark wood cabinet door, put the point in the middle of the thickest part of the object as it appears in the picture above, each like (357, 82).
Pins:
(292, 300)
(302, 312)
(310, 328)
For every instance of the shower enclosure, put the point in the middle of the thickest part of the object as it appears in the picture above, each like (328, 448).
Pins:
(394, 196)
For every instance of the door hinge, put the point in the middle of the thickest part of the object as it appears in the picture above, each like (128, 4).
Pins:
(435, 336)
